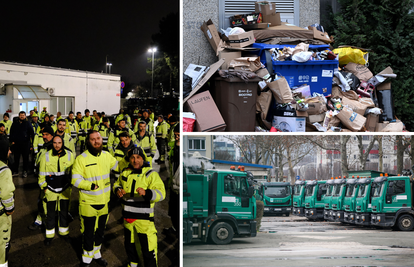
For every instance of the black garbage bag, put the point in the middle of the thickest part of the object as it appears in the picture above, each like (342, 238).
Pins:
(187, 82)
(386, 103)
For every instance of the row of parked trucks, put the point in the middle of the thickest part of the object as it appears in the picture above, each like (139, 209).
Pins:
(221, 204)
(367, 198)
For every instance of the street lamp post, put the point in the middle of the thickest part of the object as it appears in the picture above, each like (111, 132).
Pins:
(152, 50)
(109, 64)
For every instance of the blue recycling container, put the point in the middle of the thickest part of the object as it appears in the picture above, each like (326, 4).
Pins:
(318, 74)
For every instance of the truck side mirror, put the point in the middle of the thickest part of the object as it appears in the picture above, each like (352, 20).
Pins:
(251, 191)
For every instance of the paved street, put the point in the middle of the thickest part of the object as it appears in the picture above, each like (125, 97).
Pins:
(295, 241)
(27, 248)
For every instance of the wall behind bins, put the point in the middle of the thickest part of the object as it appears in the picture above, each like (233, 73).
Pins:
(197, 49)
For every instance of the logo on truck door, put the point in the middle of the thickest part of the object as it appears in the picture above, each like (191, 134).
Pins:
(236, 201)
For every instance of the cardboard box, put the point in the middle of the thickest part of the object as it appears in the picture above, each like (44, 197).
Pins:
(208, 116)
(246, 19)
(323, 36)
(262, 25)
(212, 35)
(241, 40)
(268, 11)
(283, 30)
(289, 124)
(315, 118)
(228, 56)
(372, 121)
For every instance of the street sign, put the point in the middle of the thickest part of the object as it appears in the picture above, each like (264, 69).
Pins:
(122, 84)
(297, 177)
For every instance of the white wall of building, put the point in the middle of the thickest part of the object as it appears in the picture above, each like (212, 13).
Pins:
(90, 90)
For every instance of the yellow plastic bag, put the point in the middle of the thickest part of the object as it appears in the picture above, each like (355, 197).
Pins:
(349, 54)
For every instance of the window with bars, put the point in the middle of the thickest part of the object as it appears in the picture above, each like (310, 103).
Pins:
(288, 9)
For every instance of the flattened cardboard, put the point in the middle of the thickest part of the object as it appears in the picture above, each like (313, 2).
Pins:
(315, 118)
(283, 30)
(213, 69)
(263, 25)
(208, 116)
(228, 56)
(241, 40)
(211, 34)
(323, 36)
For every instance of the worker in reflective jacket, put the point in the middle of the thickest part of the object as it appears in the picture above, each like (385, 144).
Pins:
(91, 174)
(161, 134)
(146, 141)
(54, 179)
(148, 121)
(6, 202)
(105, 131)
(72, 127)
(139, 188)
(114, 137)
(69, 141)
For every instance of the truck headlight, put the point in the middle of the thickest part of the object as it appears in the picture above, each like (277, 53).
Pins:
(288, 209)
(312, 212)
(266, 208)
(378, 217)
(363, 217)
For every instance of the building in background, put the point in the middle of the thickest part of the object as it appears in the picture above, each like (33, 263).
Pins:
(24, 86)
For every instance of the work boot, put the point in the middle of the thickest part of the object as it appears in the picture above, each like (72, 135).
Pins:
(34, 226)
(25, 174)
(162, 159)
(101, 262)
(84, 265)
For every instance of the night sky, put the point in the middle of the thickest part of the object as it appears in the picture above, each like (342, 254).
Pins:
(80, 34)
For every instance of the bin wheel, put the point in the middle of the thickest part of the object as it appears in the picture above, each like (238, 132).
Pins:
(222, 233)
(406, 223)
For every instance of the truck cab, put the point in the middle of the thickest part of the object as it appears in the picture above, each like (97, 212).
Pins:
(277, 198)
(314, 199)
(350, 200)
(392, 203)
(327, 200)
(218, 205)
(299, 198)
(363, 202)
(337, 212)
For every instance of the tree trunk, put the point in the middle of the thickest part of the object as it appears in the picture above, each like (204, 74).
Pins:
(344, 158)
(291, 171)
(400, 153)
(380, 154)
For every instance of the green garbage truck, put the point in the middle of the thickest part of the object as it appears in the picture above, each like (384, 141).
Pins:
(218, 205)
(277, 198)
(314, 199)
(299, 198)
(337, 201)
(330, 184)
(392, 202)
(350, 200)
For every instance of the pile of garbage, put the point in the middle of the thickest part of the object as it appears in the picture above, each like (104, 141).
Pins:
(274, 76)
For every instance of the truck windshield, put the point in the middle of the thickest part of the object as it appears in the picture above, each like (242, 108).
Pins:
(236, 186)
(279, 191)
(309, 190)
(362, 190)
(377, 189)
(297, 190)
(329, 191)
(350, 190)
(337, 190)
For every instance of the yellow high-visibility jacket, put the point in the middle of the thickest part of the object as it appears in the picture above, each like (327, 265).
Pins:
(162, 130)
(147, 143)
(55, 172)
(135, 206)
(6, 188)
(89, 169)
(72, 128)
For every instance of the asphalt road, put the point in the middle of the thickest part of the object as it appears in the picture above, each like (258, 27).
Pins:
(28, 249)
(295, 241)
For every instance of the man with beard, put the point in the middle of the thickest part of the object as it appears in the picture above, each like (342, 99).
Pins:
(139, 188)
(114, 138)
(54, 179)
(122, 150)
(67, 139)
(148, 121)
(146, 141)
(21, 134)
(91, 174)
(161, 134)
(43, 145)
(6, 202)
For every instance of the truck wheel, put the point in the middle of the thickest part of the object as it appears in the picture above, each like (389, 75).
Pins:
(287, 214)
(222, 233)
(406, 223)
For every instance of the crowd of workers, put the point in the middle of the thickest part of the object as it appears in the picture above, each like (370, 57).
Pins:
(123, 152)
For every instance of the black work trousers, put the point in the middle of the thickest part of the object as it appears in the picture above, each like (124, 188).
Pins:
(161, 145)
(21, 149)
